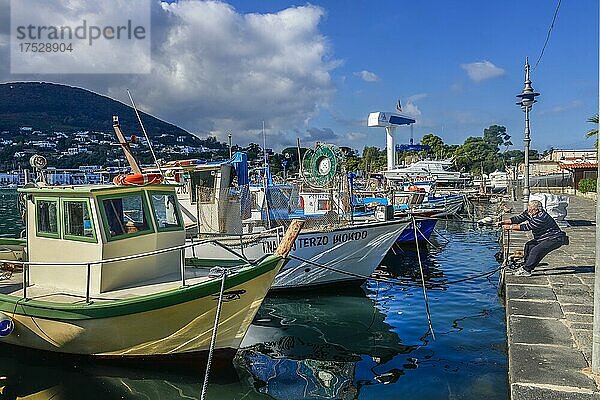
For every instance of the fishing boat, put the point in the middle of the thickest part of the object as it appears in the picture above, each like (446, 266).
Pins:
(101, 272)
(439, 170)
(331, 249)
(425, 207)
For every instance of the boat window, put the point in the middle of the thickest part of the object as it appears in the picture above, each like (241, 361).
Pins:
(165, 211)
(323, 205)
(47, 218)
(125, 216)
(77, 220)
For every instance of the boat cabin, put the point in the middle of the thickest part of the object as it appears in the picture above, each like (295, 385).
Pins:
(76, 225)
(213, 195)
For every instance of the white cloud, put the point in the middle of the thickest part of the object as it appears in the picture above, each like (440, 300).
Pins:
(417, 97)
(411, 109)
(117, 55)
(367, 76)
(456, 88)
(561, 108)
(353, 137)
(216, 70)
(482, 70)
(326, 135)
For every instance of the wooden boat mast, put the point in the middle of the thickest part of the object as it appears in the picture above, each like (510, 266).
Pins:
(135, 168)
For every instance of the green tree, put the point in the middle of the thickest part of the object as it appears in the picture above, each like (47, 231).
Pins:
(497, 136)
(254, 152)
(514, 157)
(291, 155)
(476, 152)
(435, 142)
(373, 159)
(352, 163)
(593, 132)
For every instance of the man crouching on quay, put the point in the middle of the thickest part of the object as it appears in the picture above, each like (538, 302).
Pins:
(547, 236)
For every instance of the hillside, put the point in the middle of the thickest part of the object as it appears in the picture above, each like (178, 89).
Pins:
(73, 127)
(53, 107)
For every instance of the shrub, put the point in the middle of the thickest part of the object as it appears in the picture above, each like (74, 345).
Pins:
(587, 185)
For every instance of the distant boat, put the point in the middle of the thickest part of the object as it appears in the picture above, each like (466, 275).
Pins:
(499, 181)
(439, 170)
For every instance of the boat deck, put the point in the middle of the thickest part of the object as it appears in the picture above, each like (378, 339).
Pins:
(11, 283)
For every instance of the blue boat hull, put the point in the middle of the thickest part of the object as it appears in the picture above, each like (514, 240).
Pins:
(424, 230)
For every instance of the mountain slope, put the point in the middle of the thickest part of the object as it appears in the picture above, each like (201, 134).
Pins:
(54, 107)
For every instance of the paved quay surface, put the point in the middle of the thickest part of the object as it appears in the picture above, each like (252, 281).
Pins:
(549, 314)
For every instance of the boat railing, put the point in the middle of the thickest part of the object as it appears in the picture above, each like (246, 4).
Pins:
(88, 264)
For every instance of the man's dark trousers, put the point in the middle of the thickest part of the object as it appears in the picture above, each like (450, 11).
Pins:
(536, 250)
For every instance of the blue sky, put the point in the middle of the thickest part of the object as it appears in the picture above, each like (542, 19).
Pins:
(315, 70)
(416, 50)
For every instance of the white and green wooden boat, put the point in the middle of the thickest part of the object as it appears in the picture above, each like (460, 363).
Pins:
(100, 273)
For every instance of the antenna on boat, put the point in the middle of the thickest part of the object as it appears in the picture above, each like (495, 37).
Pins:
(299, 156)
(265, 177)
(264, 144)
(144, 130)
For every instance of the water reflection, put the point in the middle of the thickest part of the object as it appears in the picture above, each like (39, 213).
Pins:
(10, 223)
(33, 375)
(320, 346)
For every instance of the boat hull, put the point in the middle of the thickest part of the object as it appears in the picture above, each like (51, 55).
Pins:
(425, 228)
(355, 251)
(174, 322)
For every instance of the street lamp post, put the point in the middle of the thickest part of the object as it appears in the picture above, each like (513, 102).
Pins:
(230, 152)
(527, 98)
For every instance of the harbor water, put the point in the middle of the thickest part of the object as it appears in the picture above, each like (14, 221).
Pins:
(369, 342)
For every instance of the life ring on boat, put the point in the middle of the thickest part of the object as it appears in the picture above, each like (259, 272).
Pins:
(301, 203)
(138, 179)
(187, 163)
(414, 188)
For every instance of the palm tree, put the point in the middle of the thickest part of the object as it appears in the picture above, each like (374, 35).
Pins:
(593, 132)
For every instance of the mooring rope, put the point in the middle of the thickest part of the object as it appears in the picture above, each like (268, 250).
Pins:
(393, 281)
(235, 253)
(505, 255)
(424, 237)
(213, 339)
(423, 279)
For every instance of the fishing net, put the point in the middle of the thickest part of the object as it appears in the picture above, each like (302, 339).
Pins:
(325, 209)
(222, 211)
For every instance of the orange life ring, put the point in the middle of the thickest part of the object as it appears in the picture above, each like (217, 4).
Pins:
(187, 163)
(138, 179)
(414, 188)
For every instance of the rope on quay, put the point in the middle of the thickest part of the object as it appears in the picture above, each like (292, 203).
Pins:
(505, 254)
(423, 280)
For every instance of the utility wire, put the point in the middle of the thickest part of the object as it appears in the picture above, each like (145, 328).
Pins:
(548, 35)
